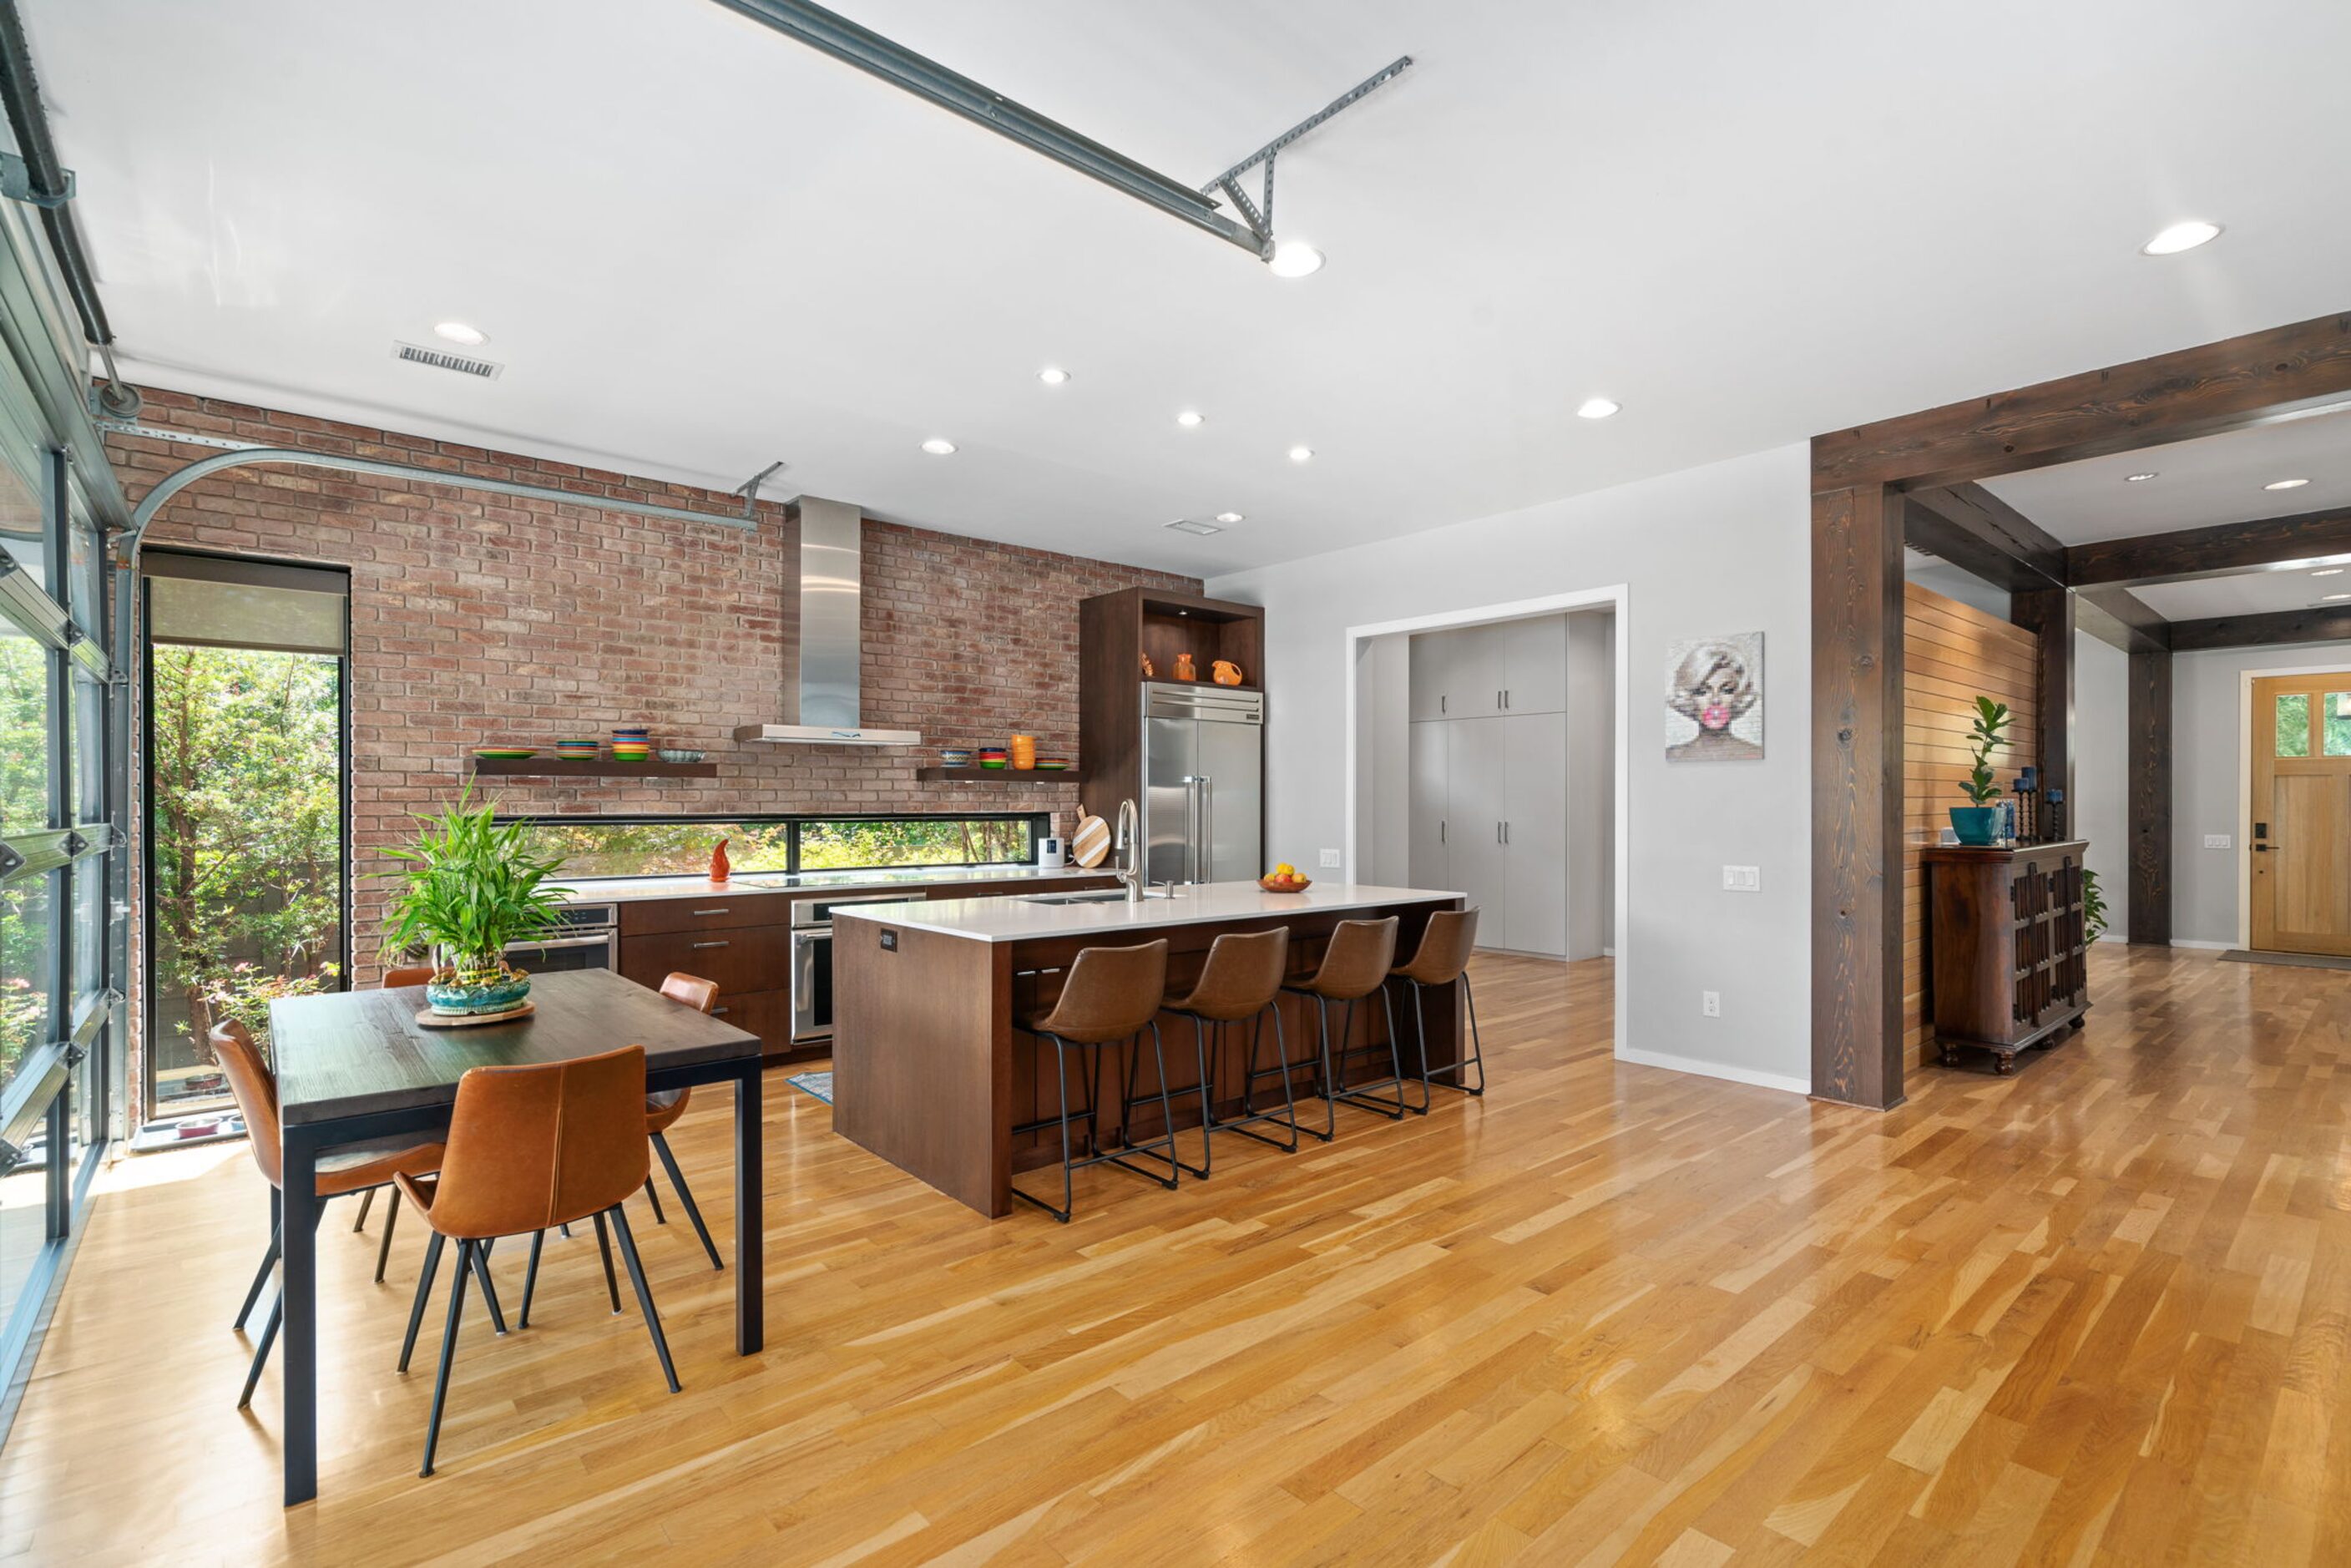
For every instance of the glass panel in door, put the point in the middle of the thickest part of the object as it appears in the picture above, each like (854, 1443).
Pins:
(2293, 728)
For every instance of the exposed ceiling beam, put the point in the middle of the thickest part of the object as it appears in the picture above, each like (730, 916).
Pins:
(2331, 625)
(2286, 372)
(2121, 618)
(2266, 544)
(1977, 531)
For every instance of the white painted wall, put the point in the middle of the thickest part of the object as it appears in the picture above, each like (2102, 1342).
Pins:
(1384, 774)
(2100, 807)
(2208, 775)
(1952, 582)
(1709, 550)
(1591, 773)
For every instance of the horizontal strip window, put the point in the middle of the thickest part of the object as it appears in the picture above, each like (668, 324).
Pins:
(28, 854)
(641, 846)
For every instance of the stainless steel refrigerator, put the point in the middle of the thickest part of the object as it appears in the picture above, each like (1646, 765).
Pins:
(1203, 782)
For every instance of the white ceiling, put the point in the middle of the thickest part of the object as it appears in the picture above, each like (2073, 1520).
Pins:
(698, 246)
(2249, 593)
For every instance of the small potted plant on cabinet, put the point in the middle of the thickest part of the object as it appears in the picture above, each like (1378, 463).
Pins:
(471, 889)
(1979, 823)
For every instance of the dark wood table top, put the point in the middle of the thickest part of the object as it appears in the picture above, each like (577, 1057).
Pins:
(356, 1054)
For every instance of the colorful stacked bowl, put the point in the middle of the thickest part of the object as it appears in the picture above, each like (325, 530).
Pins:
(1024, 752)
(1052, 765)
(991, 757)
(631, 746)
(955, 757)
(578, 750)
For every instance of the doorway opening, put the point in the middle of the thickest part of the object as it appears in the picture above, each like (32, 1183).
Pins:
(2300, 846)
(246, 785)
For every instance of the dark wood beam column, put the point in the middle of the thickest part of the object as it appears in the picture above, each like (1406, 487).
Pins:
(1857, 795)
(2048, 614)
(2149, 814)
(2120, 619)
(1977, 531)
(2266, 544)
(2331, 625)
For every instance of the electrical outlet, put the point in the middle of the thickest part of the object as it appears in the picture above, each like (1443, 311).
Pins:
(1710, 1003)
(1742, 879)
(2216, 840)
(1330, 860)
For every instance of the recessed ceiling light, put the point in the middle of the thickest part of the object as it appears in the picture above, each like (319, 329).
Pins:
(1302, 454)
(938, 446)
(1191, 419)
(1052, 375)
(1228, 516)
(2285, 484)
(1597, 408)
(1294, 258)
(2140, 478)
(2328, 571)
(459, 333)
(2331, 597)
(1186, 526)
(2181, 236)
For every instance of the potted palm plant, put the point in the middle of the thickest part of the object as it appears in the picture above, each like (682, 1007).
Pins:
(1978, 823)
(471, 888)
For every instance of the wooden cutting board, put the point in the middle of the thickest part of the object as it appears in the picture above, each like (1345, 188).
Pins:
(1090, 845)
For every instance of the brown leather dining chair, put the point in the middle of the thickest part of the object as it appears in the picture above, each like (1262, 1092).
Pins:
(663, 1110)
(361, 1168)
(531, 1148)
(393, 980)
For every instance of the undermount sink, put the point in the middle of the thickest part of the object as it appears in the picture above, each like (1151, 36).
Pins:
(1108, 896)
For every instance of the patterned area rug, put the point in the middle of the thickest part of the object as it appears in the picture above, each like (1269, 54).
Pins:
(816, 1084)
(2288, 960)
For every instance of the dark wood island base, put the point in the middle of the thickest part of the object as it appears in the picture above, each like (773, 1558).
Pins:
(930, 1072)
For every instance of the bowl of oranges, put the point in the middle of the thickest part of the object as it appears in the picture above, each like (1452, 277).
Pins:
(1285, 878)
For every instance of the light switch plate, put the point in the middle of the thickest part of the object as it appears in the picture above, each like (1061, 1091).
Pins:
(2216, 840)
(1330, 860)
(1742, 879)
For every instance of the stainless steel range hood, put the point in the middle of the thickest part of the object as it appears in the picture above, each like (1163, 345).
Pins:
(831, 600)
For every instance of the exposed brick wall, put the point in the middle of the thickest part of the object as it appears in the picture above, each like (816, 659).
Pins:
(476, 619)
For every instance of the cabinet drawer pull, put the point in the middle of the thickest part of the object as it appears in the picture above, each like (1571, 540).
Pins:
(705, 911)
(698, 945)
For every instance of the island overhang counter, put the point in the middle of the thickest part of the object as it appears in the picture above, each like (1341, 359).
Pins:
(932, 1072)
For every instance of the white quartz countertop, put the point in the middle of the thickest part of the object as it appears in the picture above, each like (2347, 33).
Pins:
(633, 889)
(1017, 919)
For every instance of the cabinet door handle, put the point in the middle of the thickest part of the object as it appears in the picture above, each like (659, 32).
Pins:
(705, 911)
(1498, 832)
(1441, 701)
(718, 1012)
(1440, 830)
(699, 946)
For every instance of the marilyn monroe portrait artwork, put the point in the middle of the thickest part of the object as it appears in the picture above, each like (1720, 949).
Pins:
(1714, 699)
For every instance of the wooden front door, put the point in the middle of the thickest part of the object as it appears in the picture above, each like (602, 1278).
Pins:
(2301, 813)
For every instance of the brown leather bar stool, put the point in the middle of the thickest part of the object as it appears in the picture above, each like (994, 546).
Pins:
(1240, 982)
(393, 980)
(1443, 957)
(360, 1167)
(1355, 964)
(1110, 997)
(531, 1148)
(662, 1111)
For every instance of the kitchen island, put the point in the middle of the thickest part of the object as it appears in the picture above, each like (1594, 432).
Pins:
(932, 1072)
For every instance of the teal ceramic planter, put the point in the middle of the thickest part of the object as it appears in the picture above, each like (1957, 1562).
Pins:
(1977, 825)
(500, 995)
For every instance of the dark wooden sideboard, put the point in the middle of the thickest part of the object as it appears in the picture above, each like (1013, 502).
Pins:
(2009, 962)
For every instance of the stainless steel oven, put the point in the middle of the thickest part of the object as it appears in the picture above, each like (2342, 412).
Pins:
(586, 937)
(812, 961)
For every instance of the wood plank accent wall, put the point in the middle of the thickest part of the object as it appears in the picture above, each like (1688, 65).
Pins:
(1951, 652)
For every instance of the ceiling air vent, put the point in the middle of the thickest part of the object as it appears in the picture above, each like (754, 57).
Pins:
(417, 355)
(1186, 526)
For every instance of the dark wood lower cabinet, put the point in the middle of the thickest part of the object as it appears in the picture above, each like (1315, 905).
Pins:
(2009, 947)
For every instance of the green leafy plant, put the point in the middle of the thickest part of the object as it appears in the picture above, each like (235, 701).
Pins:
(1987, 736)
(2094, 909)
(246, 991)
(472, 886)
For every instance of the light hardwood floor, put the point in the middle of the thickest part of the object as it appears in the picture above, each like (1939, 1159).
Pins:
(2093, 1312)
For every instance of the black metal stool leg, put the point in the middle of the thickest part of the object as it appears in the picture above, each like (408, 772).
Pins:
(1069, 1190)
(611, 1281)
(489, 1291)
(1323, 1077)
(686, 1196)
(384, 1249)
(1249, 1113)
(531, 1279)
(448, 1351)
(1208, 1111)
(645, 1292)
(1458, 1069)
(424, 1290)
(261, 1351)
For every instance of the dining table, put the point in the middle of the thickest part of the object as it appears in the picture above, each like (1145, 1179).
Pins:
(356, 1067)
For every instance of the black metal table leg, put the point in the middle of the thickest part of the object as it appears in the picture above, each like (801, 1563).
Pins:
(298, 1289)
(750, 1222)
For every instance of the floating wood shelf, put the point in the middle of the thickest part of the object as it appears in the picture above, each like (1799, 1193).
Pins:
(975, 775)
(601, 768)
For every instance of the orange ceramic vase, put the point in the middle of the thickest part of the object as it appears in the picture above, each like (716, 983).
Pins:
(719, 868)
